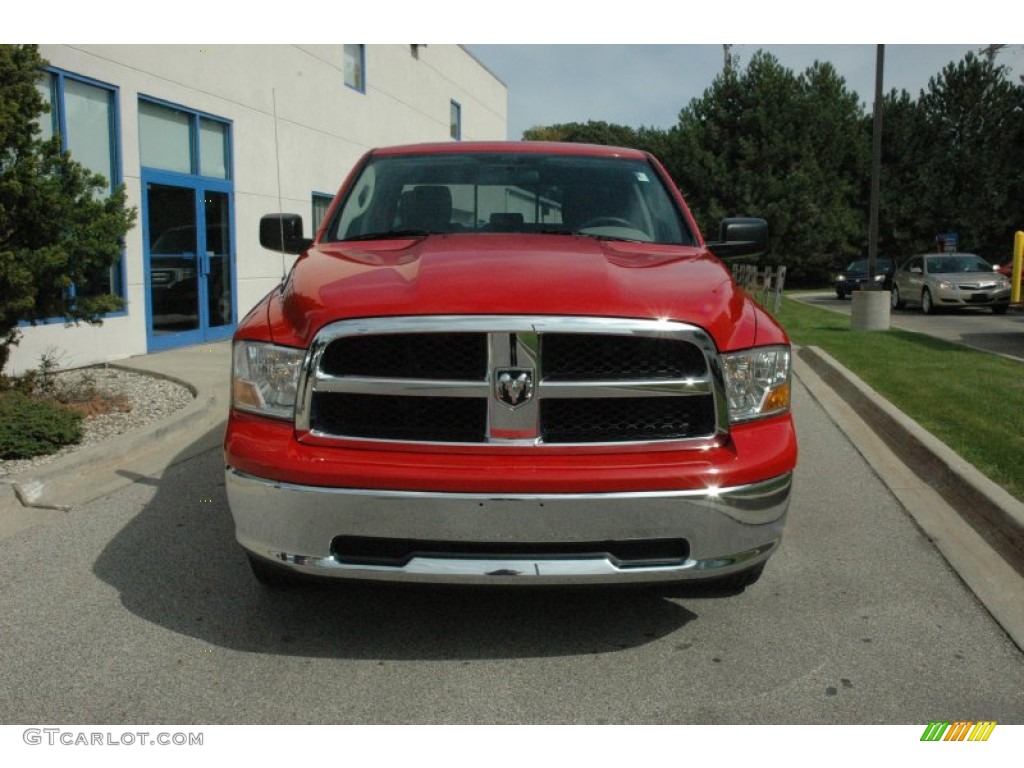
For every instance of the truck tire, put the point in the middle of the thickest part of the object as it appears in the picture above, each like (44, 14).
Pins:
(736, 581)
(275, 576)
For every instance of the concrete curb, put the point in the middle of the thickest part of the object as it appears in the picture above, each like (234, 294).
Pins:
(94, 472)
(992, 512)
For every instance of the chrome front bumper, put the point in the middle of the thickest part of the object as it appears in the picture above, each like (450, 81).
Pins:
(972, 297)
(727, 530)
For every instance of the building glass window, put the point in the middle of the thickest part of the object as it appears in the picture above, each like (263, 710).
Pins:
(179, 140)
(46, 90)
(456, 120)
(321, 203)
(165, 137)
(213, 148)
(355, 67)
(84, 114)
(88, 119)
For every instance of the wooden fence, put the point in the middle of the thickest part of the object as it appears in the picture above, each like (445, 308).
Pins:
(765, 284)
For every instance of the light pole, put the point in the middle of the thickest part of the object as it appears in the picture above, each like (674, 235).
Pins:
(870, 311)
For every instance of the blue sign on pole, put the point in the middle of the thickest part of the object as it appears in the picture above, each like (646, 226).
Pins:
(948, 242)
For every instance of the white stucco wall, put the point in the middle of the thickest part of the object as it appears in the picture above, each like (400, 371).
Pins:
(323, 127)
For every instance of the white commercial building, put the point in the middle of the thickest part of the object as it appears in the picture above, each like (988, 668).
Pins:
(208, 139)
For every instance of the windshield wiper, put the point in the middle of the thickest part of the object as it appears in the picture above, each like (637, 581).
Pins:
(610, 238)
(580, 233)
(390, 235)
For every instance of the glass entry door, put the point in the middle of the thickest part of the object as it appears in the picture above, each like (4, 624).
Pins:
(173, 259)
(190, 278)
(187, 208)
(216, 264)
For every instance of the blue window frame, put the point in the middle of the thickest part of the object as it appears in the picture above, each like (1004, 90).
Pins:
(355, 67)
(187, 223)
(84, 113)
(174, 139)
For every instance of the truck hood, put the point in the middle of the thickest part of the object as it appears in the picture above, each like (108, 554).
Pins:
(492, 274)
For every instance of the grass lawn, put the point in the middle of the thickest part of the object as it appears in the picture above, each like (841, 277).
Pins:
(972, 401)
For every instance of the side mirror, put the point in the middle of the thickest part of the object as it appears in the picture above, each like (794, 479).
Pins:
(740, 237)
(283, 232)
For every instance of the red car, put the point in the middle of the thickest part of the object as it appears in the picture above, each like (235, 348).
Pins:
(510, 363)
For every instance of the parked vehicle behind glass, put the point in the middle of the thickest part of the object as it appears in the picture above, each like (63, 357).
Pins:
(939, 281)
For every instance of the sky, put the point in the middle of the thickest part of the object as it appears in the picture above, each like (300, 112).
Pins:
(636, 63)
(648, 84)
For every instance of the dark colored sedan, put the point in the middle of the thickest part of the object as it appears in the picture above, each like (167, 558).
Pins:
(855, 276)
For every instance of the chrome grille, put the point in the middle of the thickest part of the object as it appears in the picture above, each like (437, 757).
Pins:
(511, 381)
(985, 285)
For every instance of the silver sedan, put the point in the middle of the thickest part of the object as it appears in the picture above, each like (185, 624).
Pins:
(939, 281)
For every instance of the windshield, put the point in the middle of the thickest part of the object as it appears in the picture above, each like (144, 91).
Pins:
(451, 193)
(881, 265)
(962, 262)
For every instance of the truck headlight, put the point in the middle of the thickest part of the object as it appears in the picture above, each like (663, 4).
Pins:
(265, 378)
(757, 382)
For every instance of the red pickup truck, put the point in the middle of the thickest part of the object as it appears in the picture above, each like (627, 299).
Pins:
(510, 363)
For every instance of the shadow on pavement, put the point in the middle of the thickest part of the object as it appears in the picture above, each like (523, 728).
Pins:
(177, 565)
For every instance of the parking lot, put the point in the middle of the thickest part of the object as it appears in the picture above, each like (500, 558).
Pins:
(139, 608)
(978, 328)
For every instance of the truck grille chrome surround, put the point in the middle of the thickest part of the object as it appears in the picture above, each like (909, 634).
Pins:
(512, 380)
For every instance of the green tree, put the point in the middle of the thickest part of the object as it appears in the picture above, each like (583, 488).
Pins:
(976, 118)
(833, 227)
(795, 149)
(60, 226)
(907, 221)
(791, 149)
(649, 139)
(591, 132)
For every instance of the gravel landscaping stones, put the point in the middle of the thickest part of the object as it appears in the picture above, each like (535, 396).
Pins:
(144, 400)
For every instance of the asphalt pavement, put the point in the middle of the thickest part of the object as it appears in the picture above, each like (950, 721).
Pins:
(977, 526)
(972, 327)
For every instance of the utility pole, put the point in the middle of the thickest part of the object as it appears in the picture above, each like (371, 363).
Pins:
(876, 168)
(871, 310)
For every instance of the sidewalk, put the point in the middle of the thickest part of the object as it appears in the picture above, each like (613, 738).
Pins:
(977, 526)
